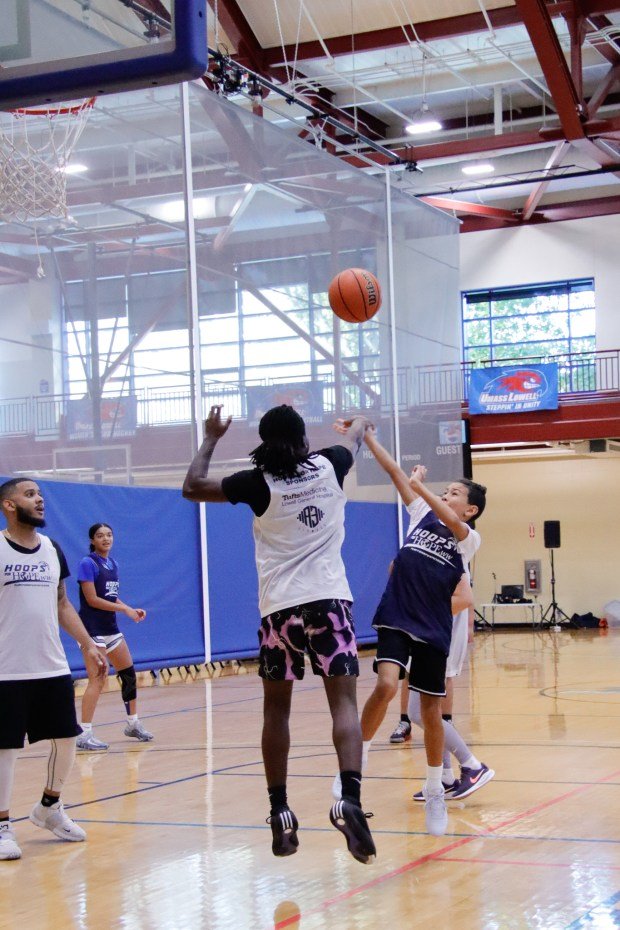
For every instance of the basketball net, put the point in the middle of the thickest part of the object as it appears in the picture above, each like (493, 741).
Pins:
(35, 148)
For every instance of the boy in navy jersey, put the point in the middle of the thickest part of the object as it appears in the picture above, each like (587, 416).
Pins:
(427, 585)
(304, 598)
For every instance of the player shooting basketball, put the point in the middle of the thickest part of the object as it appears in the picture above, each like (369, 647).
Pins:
(304, 598)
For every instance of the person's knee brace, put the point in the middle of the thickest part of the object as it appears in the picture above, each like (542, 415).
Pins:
(129, 685)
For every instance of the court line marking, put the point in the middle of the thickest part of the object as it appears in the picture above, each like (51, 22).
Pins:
(413, 833)
(431, 857)
(530, 864)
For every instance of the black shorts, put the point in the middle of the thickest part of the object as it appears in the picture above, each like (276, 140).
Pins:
(41, 708)
(428, 664)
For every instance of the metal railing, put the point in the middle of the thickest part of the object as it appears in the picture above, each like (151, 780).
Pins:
(578, 373)
(45, 416)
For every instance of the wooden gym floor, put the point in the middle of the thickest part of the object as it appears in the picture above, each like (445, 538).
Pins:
(177, 835)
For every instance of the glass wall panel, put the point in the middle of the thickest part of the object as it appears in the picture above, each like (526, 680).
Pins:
(288, 218)
(94, 344)
(96, 352)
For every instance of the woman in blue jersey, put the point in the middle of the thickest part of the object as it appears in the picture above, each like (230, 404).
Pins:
(99, 603)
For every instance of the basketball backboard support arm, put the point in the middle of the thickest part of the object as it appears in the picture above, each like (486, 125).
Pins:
(180, 55)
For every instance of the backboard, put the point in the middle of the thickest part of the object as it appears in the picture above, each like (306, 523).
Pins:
(53, 50)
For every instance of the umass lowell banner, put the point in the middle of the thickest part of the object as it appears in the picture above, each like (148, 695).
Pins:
(513, 389)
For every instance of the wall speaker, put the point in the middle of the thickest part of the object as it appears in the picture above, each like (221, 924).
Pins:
(552, 534)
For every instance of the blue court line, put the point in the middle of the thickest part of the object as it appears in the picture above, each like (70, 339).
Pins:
(605, 914)
(536, 838)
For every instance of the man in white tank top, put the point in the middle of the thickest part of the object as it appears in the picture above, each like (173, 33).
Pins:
(304, 598)
(36, 690)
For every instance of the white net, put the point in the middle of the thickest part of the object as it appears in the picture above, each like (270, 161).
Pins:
(35, 148)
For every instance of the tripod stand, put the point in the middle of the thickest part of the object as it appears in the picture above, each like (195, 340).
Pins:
(553, 615)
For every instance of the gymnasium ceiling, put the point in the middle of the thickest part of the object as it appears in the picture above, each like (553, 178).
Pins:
(531, 88)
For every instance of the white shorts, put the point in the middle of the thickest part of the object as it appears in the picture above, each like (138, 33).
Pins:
(458, 645)
(108, 642)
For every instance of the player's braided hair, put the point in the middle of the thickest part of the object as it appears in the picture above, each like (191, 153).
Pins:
(284, 446)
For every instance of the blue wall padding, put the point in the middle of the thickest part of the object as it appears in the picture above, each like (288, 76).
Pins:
(156, 536)
(156, 543)
(371, 542)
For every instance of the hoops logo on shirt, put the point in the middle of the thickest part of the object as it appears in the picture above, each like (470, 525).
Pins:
(16, 573)
(310, 516)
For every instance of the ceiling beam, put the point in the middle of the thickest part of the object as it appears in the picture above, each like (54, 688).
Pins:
(249, 52)
(534, 198)
(550, 213)
(470, 209)
(602, 91)
(553, 64)
(21, 268)
(449, 27)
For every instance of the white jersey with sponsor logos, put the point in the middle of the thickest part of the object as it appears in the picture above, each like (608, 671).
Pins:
(299, 537)
(30, 645)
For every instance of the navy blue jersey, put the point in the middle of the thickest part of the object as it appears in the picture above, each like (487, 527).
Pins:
(104, 575)
(417, 599)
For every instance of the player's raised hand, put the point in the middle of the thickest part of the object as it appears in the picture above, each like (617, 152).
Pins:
(342, 426)
(418, 473)
(214, 427)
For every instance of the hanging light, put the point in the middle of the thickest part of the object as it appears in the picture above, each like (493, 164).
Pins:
(478, 168)
(424, 120)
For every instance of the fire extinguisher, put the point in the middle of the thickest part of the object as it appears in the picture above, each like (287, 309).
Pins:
(531, 578)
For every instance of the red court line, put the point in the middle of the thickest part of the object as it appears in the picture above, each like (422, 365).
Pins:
(415, 863)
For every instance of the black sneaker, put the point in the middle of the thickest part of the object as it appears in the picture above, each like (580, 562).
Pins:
(351, 820)
(284, 830)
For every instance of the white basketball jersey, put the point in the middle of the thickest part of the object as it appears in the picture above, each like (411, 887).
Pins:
(30, 645)
(299, 537)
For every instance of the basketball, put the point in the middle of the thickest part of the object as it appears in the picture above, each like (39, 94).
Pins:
(354, 295)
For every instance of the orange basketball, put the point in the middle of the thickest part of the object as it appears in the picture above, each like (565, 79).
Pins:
(354, 295)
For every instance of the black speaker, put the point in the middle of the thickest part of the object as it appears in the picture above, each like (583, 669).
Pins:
(552, 534)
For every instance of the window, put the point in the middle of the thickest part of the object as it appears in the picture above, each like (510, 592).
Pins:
(540, 322)
(269, 322)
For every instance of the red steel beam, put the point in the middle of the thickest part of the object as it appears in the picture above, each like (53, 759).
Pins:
(473, 209)
(447, 28)
(534, 198)
(553, 63)
(235, 25)
(600, 94)
(549, 213)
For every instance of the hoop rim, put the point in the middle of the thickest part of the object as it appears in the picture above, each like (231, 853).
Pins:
(86, 104)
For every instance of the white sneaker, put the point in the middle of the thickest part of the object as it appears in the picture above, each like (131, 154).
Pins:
(54, 819)
(8, 844)
(435, 812)
(88, 742)
(137, 731)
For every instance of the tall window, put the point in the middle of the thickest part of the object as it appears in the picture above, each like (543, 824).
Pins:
(264, 322)
(542, 321)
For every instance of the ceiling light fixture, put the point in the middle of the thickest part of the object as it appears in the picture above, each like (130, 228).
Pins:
(425, 120)
(74, 168)
(173, 211)
(478, 168)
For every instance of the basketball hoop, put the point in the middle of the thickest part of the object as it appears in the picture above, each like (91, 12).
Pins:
(35, 148)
